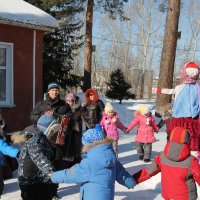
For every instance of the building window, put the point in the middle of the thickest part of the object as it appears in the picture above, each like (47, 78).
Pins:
(6, 74)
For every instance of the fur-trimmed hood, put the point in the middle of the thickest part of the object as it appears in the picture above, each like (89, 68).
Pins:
(91, 91)
(21, 137)
(101, 152)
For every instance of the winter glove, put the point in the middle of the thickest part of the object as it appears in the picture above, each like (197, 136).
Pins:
(130, 183)
(47, 179)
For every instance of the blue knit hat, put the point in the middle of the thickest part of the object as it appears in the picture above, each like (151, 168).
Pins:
(53, 85)
(93, 134)
(44, 121)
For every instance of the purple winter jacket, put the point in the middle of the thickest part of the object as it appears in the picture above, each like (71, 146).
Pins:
(110, 125)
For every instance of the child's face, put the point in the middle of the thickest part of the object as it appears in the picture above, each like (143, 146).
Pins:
(70, 102)
(169, 110)
(110, 113)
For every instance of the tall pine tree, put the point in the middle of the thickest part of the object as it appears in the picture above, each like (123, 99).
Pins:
(60, 47)
(118, 88)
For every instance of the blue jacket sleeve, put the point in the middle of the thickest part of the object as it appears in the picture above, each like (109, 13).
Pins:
(78, 173)
(7, 149)
(123, 177)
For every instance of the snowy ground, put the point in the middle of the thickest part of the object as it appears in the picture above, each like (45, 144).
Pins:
(149, 190)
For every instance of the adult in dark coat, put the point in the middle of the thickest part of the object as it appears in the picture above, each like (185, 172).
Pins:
(52, 104)
(93, 109)
(74, 134)
(55, 106)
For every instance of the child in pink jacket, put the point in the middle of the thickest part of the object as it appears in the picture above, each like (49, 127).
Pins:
(145, 133)
(110, 123)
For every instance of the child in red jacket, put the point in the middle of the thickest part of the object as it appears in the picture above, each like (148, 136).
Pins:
(145, 133)
(179, 169)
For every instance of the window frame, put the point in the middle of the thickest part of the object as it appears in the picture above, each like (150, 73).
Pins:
(9, 75)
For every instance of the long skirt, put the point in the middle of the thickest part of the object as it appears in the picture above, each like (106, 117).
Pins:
(193, 125)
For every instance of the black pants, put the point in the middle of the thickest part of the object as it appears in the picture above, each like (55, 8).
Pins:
(39, 191)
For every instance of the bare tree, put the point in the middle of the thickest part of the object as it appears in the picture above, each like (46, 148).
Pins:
(168, 52)
(147, 29)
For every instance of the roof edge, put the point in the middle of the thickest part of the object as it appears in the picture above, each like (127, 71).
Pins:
(31, 26)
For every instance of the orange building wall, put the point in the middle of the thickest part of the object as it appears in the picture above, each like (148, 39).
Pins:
(18, 118)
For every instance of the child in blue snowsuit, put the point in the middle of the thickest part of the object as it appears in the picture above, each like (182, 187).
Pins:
(98, 170)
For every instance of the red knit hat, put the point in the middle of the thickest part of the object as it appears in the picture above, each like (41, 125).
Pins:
(180, 135)
(192, 69)
(192, 65)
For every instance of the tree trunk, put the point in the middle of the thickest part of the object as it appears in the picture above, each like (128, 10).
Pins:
(140, 87)
(168, 52)
(88, 46)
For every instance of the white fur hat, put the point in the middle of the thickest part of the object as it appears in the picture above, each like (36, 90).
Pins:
(108, 107)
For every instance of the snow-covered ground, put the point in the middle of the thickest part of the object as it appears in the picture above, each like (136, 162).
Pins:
(149, 190)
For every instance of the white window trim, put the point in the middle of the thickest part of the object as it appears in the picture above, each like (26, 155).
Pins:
(9, 75)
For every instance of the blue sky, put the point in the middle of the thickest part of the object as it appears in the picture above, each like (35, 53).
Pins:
(183, 27)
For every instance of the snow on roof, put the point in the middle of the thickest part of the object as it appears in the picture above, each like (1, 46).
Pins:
(21, 13)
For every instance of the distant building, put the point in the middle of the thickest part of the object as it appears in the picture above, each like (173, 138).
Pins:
(22, 28)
